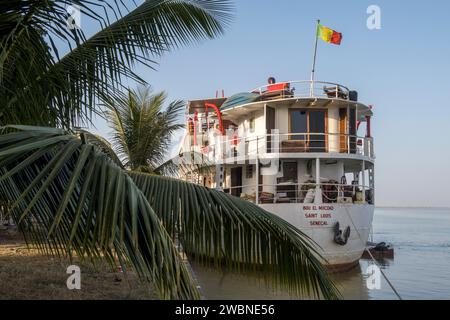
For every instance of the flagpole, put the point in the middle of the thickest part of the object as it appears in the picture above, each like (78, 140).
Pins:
(313, 69)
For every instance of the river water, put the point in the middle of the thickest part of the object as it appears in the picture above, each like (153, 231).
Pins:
(419, 270)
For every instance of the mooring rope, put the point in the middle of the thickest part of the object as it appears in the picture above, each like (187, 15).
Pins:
(371, 256)
(384, 275)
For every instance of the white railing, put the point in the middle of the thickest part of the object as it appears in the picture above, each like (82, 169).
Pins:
(289, 143)
(303, 193)
(303, 89)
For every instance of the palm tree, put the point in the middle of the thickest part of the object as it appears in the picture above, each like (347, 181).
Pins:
(68, 190)
(142, 130)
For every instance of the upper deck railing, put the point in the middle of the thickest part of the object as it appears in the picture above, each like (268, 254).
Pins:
(305, 89)
(258, 145)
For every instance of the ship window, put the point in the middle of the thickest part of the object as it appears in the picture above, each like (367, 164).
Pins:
(352, 124)
(249, 171)
(252, 125)
(298, 123)
(317, 121)
(309, 126)
(317, 125)
(290, 172)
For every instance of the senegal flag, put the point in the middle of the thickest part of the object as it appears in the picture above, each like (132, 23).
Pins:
(328, 35)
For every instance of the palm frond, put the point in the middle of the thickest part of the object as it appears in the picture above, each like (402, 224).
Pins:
(94, 69)
(218, 229)
(100, 143)
(69, 197)
(186, 164)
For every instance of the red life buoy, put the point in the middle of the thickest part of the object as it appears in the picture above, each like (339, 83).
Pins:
(234, 139)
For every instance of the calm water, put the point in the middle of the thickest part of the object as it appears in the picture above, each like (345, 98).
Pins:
(420, 269)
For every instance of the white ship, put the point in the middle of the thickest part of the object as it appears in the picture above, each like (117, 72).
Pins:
(292, 148)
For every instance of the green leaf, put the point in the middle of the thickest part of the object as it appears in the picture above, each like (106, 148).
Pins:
(217, 229)
(63, 202)
(39, 88)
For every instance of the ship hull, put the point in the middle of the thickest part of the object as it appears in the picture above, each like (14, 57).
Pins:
(318, 220)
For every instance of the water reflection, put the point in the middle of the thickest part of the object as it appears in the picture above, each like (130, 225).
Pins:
(352, 284)
(229, 286)
(420, 270)
(218, 285)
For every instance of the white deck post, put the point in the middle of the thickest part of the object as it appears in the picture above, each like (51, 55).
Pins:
(373, 185)
(363, 169)
(318, 193)
(219, 177)
(347, 130)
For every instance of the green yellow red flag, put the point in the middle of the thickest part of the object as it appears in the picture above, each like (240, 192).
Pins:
(329, 35)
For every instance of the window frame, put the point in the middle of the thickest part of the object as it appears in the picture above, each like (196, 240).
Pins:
(308, 133)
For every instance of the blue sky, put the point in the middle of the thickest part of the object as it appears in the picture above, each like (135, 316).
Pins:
(402, 69)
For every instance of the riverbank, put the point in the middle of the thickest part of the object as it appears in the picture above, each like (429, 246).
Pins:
(27, 274)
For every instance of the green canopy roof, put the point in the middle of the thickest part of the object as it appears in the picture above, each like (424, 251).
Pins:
(239, 99)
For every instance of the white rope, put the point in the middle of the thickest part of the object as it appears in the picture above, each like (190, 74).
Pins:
(384, 275)
(371, 256)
